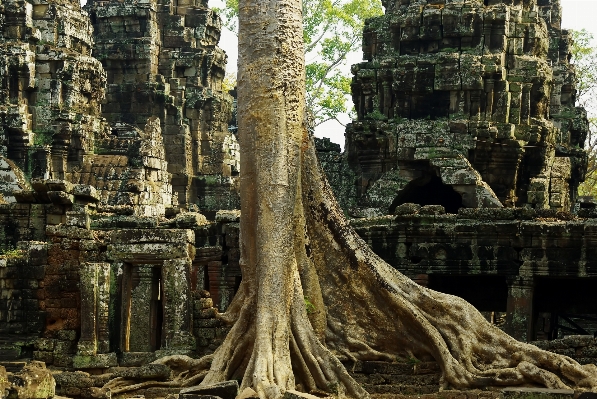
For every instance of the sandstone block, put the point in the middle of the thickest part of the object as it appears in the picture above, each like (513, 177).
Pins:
(225, 390)
(34, 382)
(103, 360)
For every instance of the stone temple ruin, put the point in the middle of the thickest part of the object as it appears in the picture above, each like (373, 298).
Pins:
(118, 225)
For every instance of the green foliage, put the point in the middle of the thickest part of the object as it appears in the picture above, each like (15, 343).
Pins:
(229, 82)
(229, 14)
(42, 138)
(376, 115)
(584, 58)
(9, 252)
(308, 305)
(413, 361)
(331, 29)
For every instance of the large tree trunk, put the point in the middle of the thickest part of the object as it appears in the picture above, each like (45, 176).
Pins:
(296, 246)
(272, 343)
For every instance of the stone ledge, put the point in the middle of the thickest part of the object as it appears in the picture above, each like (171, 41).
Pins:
(537, 393)
(99, 361)
(133, 359)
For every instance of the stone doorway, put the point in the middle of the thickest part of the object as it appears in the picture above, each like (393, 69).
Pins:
(142, 312)
(153, 269)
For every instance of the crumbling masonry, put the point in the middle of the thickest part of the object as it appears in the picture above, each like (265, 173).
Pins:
(118, 232)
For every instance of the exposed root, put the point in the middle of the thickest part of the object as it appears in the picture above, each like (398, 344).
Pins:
(370, 311)
(186, 372)
(379, 312)
(131, 386)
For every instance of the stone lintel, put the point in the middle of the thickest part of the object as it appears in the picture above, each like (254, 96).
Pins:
(150, 252)
(134, 236)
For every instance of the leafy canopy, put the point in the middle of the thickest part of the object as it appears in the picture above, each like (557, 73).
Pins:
(332, 29)
(584, 58)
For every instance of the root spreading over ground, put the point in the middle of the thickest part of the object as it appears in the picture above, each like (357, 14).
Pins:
(364, 310)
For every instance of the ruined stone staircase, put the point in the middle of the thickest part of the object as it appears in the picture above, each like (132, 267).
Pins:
(410, 377)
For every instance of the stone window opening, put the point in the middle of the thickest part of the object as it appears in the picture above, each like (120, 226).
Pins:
(13, 85)
(433, 106)
(429, 190)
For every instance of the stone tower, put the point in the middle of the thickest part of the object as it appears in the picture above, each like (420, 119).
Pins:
(467, 103)
(51, 89)
(162, 59)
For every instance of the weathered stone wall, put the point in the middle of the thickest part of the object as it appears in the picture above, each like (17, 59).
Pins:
(97, 287)
(476, 95)
(21, 318)
(22, 270)
(129, 170)
(412, 377)
(339, 175)
(51, 88)
(582, 348)
(501, 260)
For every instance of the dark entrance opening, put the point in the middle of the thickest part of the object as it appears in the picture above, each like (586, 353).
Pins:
(142, 314)
(156, 310)
(429, 191)
(486, 293)
(565, 306)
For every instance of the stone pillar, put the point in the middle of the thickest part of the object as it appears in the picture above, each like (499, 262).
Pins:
(489, 88)
(87, 345)
(125, 307)
(178, 303)
(519, 319)
(502, 102)
(103, 308)
(216, 281)
(515, 104)
(94, 345)
(525, 106)
(388, 106)
(475, 105)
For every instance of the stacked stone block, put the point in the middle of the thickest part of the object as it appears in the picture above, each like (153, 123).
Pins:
(478, 94)
(129, 169)
(339, 174)
(70, 287)
(162, 60)
(51, 88)
(517, 249)
(406, 377)
(210, 331)
(21, 319)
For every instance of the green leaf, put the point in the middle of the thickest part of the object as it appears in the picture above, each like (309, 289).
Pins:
(331, 30)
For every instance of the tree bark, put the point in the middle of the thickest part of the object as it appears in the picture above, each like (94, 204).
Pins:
(278, 346)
